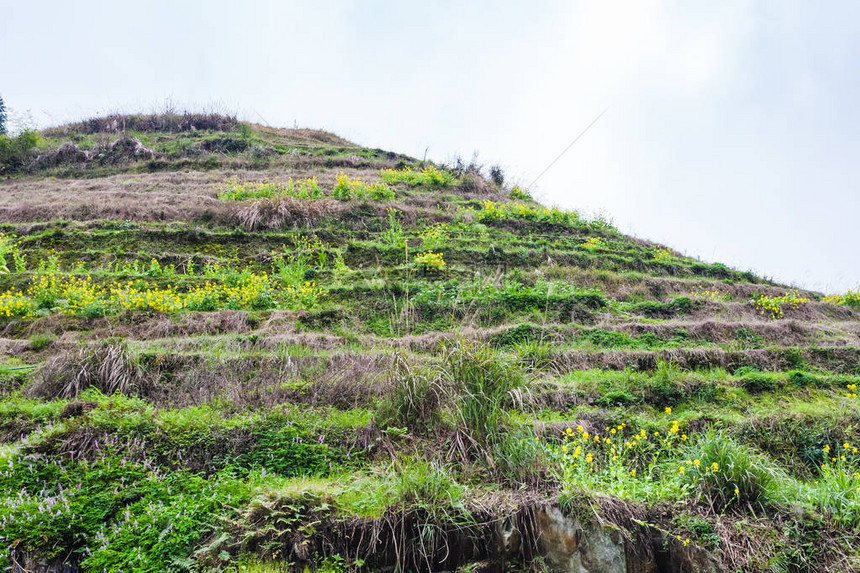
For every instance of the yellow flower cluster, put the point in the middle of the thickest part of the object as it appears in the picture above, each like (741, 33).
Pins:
(593, 243)
(304, 296)
(430, 261)
(435, 236)
(852, 390)
(348, 188)
(520, 194)
(235, 190)
(16, 303)
(250, 292)
(130, 296)
(701, 292)
(696, 465)
(850, 298)
(582, 456)
(80, 296)
(773, 305)
(838, 454)
(429, 175)
(500, 211)
(663, 255)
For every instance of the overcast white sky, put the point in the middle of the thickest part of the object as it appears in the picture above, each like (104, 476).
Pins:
(732, 133)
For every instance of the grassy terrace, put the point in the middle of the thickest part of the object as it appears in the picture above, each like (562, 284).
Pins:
(235, 348)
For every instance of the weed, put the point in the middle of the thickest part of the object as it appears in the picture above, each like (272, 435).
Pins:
(41, 341)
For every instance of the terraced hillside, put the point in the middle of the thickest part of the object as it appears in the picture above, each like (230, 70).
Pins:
(233, 348)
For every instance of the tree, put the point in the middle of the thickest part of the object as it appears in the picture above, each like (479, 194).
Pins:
(2, 117)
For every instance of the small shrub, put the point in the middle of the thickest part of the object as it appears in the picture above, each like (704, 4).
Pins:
(805, 379)
(497, 176)
(520, 334)
(617, 398)
(656, 309)
(748, 338)
(15, 151)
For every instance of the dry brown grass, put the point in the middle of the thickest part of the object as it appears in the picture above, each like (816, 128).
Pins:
(164, 196)
(783, 332)
(343, 379)
(149, 197)
(170, 122)
(623, 286)
(108, 367)
(285, 212)
(303, 135)
(843, 359)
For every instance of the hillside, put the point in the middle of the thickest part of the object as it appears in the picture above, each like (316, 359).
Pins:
(227, 347)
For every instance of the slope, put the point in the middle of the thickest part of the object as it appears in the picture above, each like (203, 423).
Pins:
(231, 347)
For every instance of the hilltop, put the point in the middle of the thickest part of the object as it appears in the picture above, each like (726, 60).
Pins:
(228, 347)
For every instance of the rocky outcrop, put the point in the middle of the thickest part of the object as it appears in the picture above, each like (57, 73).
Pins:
(570, 545)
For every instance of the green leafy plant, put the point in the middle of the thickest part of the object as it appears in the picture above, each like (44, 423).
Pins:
(520, 194)
(394, 237)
